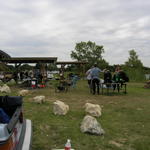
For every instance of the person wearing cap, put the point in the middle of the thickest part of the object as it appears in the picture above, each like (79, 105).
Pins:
(95, 72)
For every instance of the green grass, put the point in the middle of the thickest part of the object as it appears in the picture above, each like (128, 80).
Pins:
(125, 119)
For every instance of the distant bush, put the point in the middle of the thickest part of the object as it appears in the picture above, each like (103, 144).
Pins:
(4, 67)
(135, 74)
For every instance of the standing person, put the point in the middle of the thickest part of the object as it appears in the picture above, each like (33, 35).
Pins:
(74, 80)
(116, 78)
(88, 74)
(95, 72)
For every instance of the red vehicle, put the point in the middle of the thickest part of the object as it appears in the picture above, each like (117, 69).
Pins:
(16, 134)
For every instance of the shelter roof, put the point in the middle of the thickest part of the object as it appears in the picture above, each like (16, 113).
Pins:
(30, 60)
(70, 62)
(3, 54)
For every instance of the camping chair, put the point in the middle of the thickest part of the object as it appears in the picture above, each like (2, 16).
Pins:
(61, 86)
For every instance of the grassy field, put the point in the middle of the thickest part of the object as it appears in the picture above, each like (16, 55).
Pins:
(125, 119)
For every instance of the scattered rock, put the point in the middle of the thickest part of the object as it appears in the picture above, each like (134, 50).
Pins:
(5, 89)
(23, 92)
(1, 82)
(90, 125)
(39, 99)
(93, 109)
(11, 82)
(60, 108)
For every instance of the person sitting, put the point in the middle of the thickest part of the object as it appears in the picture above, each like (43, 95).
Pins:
(123, 77)
(61, 84)
(116, 79)
(107, 77)
(74, 80)
(119, 77)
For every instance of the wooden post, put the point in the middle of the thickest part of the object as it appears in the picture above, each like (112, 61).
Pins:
(16, 71)
(43, 70)
(62, 69)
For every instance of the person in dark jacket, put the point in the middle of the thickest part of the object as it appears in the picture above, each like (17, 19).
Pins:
(107, 78)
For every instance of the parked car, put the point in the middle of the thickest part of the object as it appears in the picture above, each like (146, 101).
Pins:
(16, 134)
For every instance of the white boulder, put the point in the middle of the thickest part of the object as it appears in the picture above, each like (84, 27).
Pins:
(5, 89)
(11, 82)
(39, 99)
(1, 82)
(93, 109)
(23, 92)
(60, 108)
(90, 125)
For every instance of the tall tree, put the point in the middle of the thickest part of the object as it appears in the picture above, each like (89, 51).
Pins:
(89, 52)
(133, 60)
(134, 67)
(52, 67)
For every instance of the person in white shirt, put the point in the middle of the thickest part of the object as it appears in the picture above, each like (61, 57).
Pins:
(88, 76)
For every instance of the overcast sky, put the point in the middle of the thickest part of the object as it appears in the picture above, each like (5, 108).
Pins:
(51, 28)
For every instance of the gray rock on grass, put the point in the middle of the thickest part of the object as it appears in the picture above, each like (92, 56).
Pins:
(1, 82)
(60, 108)
(23, 92)
(93, 109)
(39, 99)
(11, 82)
(91, 125)
(5, 89)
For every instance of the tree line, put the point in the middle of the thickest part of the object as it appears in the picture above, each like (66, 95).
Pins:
(92, 53)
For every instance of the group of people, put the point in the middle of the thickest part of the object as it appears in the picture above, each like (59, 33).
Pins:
(69, 81)
(93, 77)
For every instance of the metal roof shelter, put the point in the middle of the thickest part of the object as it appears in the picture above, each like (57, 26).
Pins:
(5, 58)
(29, 60)
(70, 62)
(4, 55)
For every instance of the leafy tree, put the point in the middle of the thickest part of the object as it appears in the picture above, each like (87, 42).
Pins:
(26, 67)
(134, 67)
(89, 52)
(52, 67)
(133, 60)
(4, 67)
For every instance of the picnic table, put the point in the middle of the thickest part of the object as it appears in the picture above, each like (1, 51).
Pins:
(113, 87)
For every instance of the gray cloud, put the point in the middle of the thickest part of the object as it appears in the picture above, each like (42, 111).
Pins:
(52, 27)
